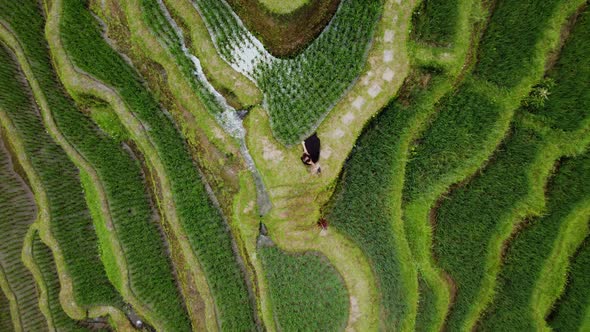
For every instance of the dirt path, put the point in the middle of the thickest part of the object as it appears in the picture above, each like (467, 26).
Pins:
(298, 196)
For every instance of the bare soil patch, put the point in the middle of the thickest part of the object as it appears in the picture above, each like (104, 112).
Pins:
(286, 35)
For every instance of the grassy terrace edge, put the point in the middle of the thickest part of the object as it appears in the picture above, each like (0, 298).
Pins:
(152, 146)
(174, 85)
(505, 102)
(79, 83)
(67, 293)
(17, 212)
(100, 199)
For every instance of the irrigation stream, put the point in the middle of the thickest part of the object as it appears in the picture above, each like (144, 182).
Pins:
(230, 119)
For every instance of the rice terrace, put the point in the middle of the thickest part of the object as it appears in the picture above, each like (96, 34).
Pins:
(294, 165)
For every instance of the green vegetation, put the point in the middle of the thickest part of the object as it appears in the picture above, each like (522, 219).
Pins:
(17, 213)
(49, 286)
(436, 21)
(463, 126)
(153, 15)
(298, 92)
(468, 126)
(201, 221)
(572, 312)
(129, 205)
(108, 122)
(69, 220)
(463, 205)
(457, 136)
(306, 292)
(472, 223)
(362, 209)
(517, 304)
(531, 249)
(486, 209)
(510, 49)
(5, 319)
(568, 102)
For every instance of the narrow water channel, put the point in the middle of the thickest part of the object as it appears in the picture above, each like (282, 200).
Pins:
(229, 119)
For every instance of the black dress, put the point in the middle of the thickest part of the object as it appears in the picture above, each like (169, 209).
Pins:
(312, 145)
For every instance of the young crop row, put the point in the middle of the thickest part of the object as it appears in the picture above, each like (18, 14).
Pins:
(300, 91)
(154, 13)
(202, 222)
(5, 319)
(362, 208)
(562, 229)
(475, 219)
(306, 292)
(129, 205)
(467, 128)
(17, 213)
(572, 311)
(437, 22)
(488, 221)
(49, 286)
(526, 288)
(69, 221)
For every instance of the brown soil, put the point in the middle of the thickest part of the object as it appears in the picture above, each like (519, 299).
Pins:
(286, 35)
(563, 37)
(453, 288)
(416, 81)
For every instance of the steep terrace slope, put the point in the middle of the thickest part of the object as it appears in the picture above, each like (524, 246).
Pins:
(66, 224)
(17, 213)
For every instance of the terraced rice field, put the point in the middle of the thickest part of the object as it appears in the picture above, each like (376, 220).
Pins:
(150, 172)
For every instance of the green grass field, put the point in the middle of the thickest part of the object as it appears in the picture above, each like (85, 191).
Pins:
(305, 290)
(145, 143)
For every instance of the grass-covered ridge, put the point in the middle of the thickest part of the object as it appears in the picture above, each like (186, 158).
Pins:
(298, 92)
(305, 290)
(48, 284)
(128, 207)
(201, 221)
(68, 221)
(453, 181)
(17, 213)
(531, 253)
